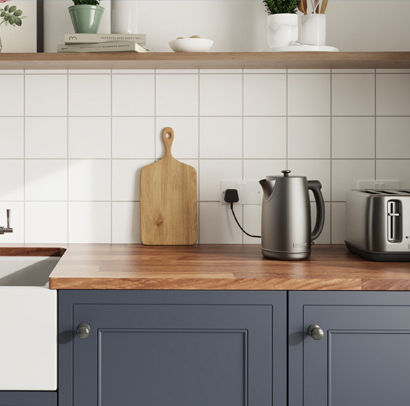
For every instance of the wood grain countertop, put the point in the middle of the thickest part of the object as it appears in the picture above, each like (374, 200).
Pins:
(213, 267)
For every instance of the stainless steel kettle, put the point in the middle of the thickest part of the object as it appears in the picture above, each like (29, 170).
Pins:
(286, 217)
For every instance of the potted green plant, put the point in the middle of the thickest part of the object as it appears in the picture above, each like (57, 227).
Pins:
(86, 16)
(282, 22)
(10, 15)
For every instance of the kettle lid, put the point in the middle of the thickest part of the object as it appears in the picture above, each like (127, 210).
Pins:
(286, 173)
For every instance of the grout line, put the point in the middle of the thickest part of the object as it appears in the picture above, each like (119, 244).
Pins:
(204, 115)
(198, 205)
(243, 145)
(331, 159)
(287, 119)
(210, 159)
(375, 126)
(68, 159)
(112, 178)
(24, 154)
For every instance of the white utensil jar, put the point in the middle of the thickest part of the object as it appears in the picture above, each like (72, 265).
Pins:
(282, 29)
(313, 29)
(124, 17)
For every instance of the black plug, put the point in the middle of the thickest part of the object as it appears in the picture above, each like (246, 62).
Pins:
(231, 196)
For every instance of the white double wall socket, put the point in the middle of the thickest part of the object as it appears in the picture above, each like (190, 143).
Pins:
(249, 191)
(378, 184)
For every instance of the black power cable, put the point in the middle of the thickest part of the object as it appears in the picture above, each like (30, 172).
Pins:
(232, 196)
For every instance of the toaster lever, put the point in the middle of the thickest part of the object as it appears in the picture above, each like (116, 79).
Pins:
(394, 221)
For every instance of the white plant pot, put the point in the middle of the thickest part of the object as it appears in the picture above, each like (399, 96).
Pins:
(282, 29)
(124, 17)
(313, 29)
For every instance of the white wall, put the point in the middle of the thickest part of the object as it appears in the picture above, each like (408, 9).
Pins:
(72, 143)
(240, 25)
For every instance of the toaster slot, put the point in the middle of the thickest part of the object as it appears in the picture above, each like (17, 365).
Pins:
(394, 221)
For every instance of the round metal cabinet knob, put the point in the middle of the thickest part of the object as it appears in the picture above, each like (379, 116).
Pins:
(83, 330)
(315, 332)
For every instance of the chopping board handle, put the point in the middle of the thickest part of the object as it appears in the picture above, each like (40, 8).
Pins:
(168, 138)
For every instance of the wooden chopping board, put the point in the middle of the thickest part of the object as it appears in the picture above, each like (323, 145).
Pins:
(168, 188)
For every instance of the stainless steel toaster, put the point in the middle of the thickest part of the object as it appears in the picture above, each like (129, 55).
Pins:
(378, 224)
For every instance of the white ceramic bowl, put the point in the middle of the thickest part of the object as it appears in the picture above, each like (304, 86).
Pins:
(190, 45)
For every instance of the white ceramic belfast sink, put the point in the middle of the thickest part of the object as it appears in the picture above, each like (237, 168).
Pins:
(28, 320)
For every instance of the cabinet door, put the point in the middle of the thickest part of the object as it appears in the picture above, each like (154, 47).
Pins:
(174, 348)
(363, 358)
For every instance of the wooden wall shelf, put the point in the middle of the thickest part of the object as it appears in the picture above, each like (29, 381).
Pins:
(208, 60)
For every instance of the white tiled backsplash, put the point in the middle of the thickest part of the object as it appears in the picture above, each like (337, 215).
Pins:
(72, 143)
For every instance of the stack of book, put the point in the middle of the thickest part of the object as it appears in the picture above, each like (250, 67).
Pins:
(103, 43)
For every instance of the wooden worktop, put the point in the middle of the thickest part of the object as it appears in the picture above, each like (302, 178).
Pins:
(221, 267)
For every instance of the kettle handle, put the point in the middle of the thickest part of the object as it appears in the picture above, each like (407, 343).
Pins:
(315, 186)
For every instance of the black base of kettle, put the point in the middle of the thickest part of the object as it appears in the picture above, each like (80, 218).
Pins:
(286, 256)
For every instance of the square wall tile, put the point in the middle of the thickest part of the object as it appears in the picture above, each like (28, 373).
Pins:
(212, 172)
(394, 170)
(252, 221)
(217, 225)
(46, 180)
(89, 95)
(13, 87)
(353, 137)
(265, 137)
(264, 95)
(12, 180)
(393, 137)
(89, 137)
(221, 137)
(185, 144)
(309, 137)
(338, 223)
(89, 180)
(176, 95)
(133, 137)
(324, 237)
(16, 222)
(46, 137)
(221, 95)
(46, 223)
(353, 95)
(126, 179)
(133, 95)
(12, 137)
(393, 95)
(309, 95)
(313, 170)
(46, 95)
(126, 223)
(89, 222)
(345, 175)
(261, 168)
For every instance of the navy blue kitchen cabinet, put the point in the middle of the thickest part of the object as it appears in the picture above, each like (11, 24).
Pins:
(174, 348)
(363, 358)
(12, 398)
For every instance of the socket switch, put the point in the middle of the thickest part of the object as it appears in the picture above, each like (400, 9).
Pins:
(378, 184)
(249, 191)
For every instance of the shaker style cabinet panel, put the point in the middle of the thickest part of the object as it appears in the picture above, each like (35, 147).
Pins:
(11, 398)
(172, 348)
(363, 357)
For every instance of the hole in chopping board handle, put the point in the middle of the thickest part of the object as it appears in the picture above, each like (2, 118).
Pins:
(168, 138)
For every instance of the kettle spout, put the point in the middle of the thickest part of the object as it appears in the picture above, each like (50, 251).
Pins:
(267, 186)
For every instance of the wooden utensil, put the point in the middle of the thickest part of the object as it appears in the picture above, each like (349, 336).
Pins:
(324, 5)
(301, 6)
(168, 211)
